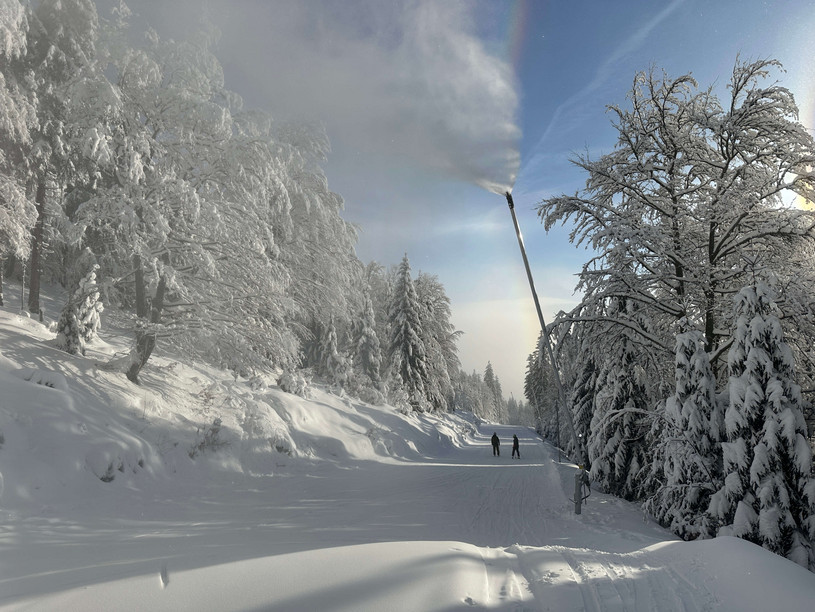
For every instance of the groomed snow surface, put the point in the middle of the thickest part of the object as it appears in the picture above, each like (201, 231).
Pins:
(313, 504)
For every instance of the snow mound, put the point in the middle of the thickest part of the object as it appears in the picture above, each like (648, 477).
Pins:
(69, 426)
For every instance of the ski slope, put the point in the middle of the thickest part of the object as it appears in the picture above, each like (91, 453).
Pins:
(324, 503)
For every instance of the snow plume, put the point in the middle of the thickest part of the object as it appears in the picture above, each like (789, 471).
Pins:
(465, 99)
(412, 81)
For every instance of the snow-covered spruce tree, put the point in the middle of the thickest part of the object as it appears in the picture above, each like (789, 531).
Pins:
(68, 331)
(333, 365)
(439, 338)
(79, 321)
(616, 446)
(578, 373)
(368, 355)
(796, 293)
(406, 349)
(541, 392)
(514, 416)
(496, 397)
(534, 389)
(582, 403)
(688, 449)
(768, 496)
(90, 306)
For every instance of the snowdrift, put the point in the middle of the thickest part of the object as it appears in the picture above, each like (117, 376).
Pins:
(70, 429)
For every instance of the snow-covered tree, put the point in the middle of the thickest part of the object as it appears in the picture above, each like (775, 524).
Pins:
(333, 364)
(583, 394)
(692, 185)
(491, 380)
(541, 392)
(473, 395)
(61, 48)
(496, 399)
(513, 411)
(17, 118)
(688, 451)
(616, 446)
(191, 209)
(534, 386)
(406, 349)
(316, 243)
(768, 495)
(439, 339)
(80, 319)
(368, 356)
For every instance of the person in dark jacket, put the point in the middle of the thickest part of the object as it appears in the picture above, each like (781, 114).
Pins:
(496, 445)
(515, 447)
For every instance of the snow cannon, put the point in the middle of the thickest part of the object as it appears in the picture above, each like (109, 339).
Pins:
(561, 394)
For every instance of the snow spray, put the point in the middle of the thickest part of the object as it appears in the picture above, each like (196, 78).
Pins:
(560, 393)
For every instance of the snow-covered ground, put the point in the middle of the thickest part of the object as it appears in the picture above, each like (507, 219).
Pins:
(319, 504)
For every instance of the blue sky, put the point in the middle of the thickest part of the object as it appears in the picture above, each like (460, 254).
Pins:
(419, 97)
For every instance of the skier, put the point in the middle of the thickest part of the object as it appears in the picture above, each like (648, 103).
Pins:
(515, 447)
(496, 445)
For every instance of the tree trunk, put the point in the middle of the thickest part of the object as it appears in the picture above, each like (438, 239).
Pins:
(145, 339)
(2, 263)
(141, 297)
(36, 250)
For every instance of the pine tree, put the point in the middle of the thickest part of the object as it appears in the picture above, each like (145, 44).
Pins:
(89, 307)
(533, 388)
(496, 395)
(333, 364)
(583, 401)
(617, 441)
(539, 390)
(406, 349)
(80, 319)
(688, 454)
(439, 338)
(368, 351)
(768, 496)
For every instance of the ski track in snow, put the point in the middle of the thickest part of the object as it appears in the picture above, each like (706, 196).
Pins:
(609, 582)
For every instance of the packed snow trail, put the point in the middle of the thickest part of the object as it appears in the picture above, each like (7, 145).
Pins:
(436, 521)
(446, 527)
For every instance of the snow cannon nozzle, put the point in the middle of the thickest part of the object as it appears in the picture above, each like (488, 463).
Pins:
(509, 200)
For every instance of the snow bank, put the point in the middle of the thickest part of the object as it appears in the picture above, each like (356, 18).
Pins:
(69, 428)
